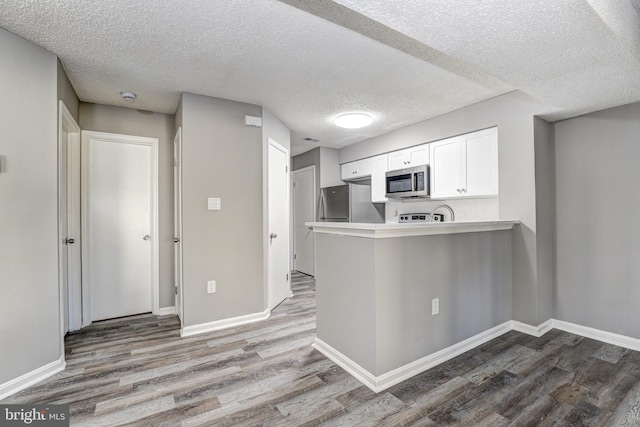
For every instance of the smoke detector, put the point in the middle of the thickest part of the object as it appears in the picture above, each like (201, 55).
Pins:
(128, 96)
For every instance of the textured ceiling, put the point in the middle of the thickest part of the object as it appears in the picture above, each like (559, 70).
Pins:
(308, 61)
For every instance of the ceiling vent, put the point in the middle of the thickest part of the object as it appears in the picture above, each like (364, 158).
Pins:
(310, 139)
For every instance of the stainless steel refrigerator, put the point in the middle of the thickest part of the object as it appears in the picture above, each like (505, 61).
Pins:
(349, 203)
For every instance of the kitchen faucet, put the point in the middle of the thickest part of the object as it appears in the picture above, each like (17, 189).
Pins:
(447, 207)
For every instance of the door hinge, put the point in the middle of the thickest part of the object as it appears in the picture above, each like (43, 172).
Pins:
(175, 162)
(295, 256)
(286, 168)
(175, 288)
(287, 277)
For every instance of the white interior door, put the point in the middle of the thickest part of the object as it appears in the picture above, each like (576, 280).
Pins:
(120, 224)
(304, 209)
(69, 220)
(278, 199)
(177, 220)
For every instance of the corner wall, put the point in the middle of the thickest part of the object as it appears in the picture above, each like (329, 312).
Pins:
(221, 157)
(30, 325)
(598, 244)
(67, 94)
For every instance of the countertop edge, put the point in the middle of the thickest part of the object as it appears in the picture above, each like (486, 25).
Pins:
(380, 231)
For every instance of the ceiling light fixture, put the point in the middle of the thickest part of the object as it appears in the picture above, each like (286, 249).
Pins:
(128, 96)
(353, 120)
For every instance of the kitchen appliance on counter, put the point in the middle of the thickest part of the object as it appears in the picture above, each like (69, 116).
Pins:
(350, 203)
(420, 217)
(408, 183)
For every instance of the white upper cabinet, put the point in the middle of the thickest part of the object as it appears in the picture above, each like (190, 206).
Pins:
(481, 155)
(465, 166)
(378, 179)
(446, 168)
(414, 156)
(356, 170)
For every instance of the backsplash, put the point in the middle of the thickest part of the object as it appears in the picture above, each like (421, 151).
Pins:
(481, 209)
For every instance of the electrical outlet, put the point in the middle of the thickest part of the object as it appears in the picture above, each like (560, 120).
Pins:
(211, 286)
(435, 306)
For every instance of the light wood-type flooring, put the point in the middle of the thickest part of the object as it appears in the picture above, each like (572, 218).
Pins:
(138, 371)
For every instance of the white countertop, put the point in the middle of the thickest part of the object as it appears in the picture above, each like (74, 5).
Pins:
(378, 231)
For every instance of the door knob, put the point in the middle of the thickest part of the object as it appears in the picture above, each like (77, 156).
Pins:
(273, 235)
(146, 237)
(69, 241)
(176, 240)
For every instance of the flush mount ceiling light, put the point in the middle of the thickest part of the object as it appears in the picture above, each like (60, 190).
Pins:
(128, 96)
(353, 120)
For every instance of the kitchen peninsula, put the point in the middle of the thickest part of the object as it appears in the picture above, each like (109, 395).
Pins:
(377, 286)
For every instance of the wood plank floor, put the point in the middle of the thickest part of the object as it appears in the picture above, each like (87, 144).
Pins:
(139, 372)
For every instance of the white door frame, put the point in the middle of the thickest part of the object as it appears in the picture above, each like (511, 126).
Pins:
(273, 143)
(315, 207)
(155, 235)
(69, 146)
(177, 224)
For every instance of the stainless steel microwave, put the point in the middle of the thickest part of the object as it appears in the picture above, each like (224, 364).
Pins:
(408, 183)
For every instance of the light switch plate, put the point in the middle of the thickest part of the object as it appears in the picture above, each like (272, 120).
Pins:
(214, 203)
(211, 286)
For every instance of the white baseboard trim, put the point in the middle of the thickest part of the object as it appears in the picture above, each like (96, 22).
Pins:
(165, 311)
(217, 325)
(361, 374)
(536, 331)
(31, 378)
(388, 379)
(599, 335)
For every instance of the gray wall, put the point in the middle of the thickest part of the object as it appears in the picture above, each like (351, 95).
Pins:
(374, 295)
(545, 218)
(598, 244)
(127, 121)
(329, 167)
(326, 161)
(305, 160)
(513, 114)
(221, 157)
(67, 94)
(30, 330)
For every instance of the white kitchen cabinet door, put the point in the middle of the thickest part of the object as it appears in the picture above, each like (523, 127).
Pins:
(481, 157)
(409, 157)
(378, 179)
(348, 171)
(446, 168)
(356, 170)
(465, 166)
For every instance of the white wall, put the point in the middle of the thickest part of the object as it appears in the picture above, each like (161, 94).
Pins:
(30, 330)
(598, 232)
